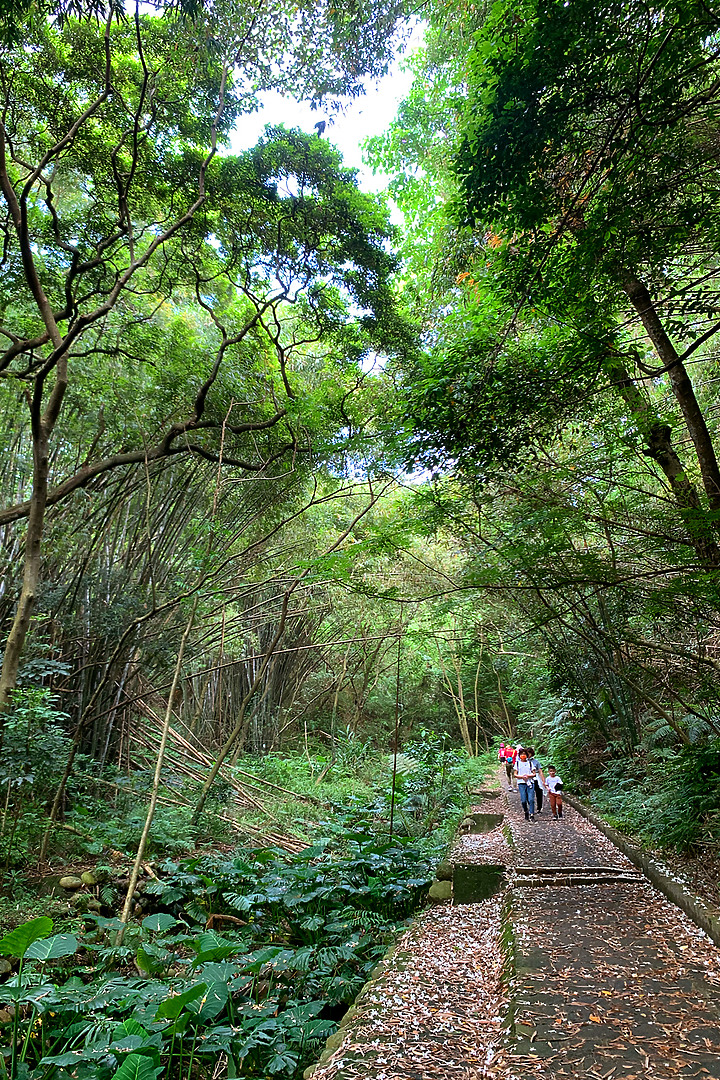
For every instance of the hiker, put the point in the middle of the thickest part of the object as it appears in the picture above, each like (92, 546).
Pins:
(539, 779)
(554, 787)
(525, 776)
(509, 762)
(501, 753)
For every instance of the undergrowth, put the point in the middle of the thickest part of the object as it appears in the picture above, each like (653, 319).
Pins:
(253, 957)
(244, 960)
(668, 798)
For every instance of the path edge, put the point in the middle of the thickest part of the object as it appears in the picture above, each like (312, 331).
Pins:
(676, 893)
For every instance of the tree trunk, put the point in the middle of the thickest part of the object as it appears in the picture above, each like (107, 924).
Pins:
(658, 446)
(682, 387)
(31, 570)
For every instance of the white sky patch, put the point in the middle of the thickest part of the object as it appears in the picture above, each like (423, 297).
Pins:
(368, 115)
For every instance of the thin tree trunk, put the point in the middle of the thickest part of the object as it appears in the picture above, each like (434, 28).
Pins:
(132, 884)
(241, 726)
(657, 437)
(87, 711)
(458, 705)
(242, 723)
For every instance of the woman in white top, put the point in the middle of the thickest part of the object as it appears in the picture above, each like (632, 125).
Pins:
(525, 776)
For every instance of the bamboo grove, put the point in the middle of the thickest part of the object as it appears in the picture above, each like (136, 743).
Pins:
(283, 479)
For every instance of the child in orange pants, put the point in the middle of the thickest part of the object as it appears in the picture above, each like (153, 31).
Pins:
(554, 787)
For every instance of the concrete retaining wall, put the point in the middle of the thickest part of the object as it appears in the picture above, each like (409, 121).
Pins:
(699, 912)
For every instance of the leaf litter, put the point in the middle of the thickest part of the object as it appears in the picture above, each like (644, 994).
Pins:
(436, 1011)
(608, 981)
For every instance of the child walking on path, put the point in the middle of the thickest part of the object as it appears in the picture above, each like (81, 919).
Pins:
(509, 763)
(554, 787)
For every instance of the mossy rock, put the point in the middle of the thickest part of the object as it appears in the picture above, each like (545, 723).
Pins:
(88, 878)
(348, 1017)
(444, 871)
(331, 1045)
(71, 882)
(440, 890)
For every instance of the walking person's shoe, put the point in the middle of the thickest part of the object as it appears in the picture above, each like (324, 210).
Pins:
(532, 817)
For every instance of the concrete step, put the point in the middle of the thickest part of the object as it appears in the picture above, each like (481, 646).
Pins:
(546, 882)
(546, 876)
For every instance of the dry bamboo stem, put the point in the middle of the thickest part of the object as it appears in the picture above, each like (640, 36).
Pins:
(132, 884)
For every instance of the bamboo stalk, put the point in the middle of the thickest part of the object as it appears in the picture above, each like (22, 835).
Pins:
(132, 884)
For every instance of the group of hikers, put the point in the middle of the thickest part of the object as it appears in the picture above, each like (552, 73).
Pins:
(526, 776)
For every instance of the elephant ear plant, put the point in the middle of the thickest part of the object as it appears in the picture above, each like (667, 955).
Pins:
(31, 941)
(137, 1028)
(300, 935)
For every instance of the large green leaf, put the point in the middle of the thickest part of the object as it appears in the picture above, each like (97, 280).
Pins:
(148, 962)
(173, 1006)
(136, 1067)
(158, 923)
(128, 1027)
(212, 1002)
(53, 947)
(75, 1057)
(19, 940)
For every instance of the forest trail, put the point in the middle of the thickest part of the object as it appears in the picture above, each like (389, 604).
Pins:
(605, 980)
(610, 980)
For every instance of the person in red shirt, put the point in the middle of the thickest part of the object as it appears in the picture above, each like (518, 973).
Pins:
(510, 756)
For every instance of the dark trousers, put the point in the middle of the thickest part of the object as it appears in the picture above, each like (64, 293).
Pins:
(538, 795)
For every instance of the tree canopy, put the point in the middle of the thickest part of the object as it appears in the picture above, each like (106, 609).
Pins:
(282, 478)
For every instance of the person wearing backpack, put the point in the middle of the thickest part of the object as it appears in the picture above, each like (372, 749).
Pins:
(525, 776)
(539, 780)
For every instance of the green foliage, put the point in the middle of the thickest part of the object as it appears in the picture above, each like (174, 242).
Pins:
(32, 755)
(18, 941)
(34, 742)
(52, 948)
(668, 801)
(297, 938)
(432, 788)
